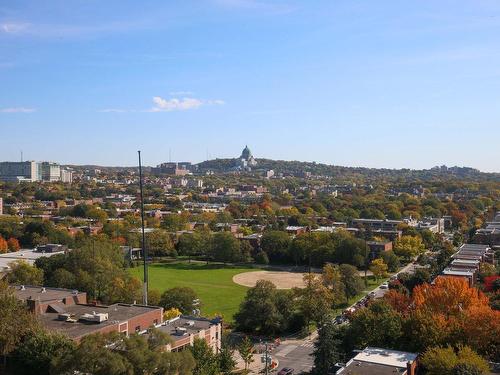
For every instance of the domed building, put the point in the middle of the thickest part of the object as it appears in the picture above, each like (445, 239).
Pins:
(246, 159)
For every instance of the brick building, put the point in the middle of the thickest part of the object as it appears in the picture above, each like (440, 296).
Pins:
(67, 311)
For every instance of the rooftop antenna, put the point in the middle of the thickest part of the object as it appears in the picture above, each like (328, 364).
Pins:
(170, 155)
(21, 156)
(144, 249)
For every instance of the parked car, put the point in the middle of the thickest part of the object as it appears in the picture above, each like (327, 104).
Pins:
(286, 371)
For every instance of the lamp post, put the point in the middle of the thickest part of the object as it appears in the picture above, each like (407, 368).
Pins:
(144, 250)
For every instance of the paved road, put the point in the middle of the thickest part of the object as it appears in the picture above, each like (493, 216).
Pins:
(296, 354)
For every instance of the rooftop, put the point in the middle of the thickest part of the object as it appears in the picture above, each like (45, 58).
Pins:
(386, 357)
(189, 325)
(117, 313)
(43, 294)
(365, 368)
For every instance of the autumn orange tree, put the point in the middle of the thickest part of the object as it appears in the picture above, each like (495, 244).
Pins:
(13, 244)
(4, 247)
(452, 312)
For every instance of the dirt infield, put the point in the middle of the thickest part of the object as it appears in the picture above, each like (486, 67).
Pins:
(282, 280)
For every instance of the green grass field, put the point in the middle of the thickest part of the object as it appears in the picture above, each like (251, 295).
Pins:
(213, 283)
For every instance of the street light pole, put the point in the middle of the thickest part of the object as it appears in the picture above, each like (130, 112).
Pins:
(144, 250)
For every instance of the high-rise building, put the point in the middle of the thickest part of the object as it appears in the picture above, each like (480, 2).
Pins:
(18, 171)
(66, 176)
(51, 172)
(1, 206)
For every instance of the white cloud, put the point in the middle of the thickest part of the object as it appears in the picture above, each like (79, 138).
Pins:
(17, 110)
(183, 104)
(13, 28)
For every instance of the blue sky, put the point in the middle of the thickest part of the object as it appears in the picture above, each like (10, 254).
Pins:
(359, 83)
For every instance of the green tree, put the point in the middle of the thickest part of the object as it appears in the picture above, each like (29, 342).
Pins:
(409, 246)
(327, 350)
(159, 243)
(225, 357)
(351, 279)
(36, 352)
(225, 248)
(377, 325)
(25, 274)
(448, 361)
(314, 300)
(245, 348)
(206, 360)
(378, 268)
(181, 298)
(93, 356)
(275, 244)
(259, 312)
(16, 322)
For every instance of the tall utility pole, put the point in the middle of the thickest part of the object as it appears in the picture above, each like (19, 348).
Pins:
(144, 250)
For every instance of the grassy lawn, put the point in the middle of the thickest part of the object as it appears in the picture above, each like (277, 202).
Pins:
(213, 284)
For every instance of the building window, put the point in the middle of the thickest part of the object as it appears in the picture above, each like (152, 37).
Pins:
(138, 329)
(155, 321)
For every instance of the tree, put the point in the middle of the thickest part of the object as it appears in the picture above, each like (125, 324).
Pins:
(182, 298)
(351, 279)
(245, 348)
(171, 313)
(447, 361)
(225, 248)
(97, 266)
(4, 246)
(37, 351)
(327, 350)
(13, 244)
(225, 357)
(159, 243)
(378, 268)
(94, 356)
(262, 311)
(377, 325)
(206, 361)
(275, 244)
(16, 322)
(154, 297)
(409, 246)
(332, 279)
(391, 260)
(193, 244)
(314, 300)
(261, 258)
(25, 274)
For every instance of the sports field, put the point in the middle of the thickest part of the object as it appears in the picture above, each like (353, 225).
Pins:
(213, 283)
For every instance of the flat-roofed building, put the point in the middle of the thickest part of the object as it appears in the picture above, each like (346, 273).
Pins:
(377, 224)
(67, 312)
(185, 329)
(20, 171)
(377, 361)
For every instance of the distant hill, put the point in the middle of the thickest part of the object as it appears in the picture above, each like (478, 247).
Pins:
(319, 169)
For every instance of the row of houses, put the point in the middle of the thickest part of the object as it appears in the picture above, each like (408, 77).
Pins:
(490, 234)
(466, 262)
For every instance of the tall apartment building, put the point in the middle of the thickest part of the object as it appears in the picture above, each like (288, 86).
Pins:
(66, 176)
(19, 171)
(1, 206)
(51, 172)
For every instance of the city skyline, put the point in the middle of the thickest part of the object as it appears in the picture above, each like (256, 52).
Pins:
(384, 85)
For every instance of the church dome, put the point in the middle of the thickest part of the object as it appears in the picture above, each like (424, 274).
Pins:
(246, 153)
